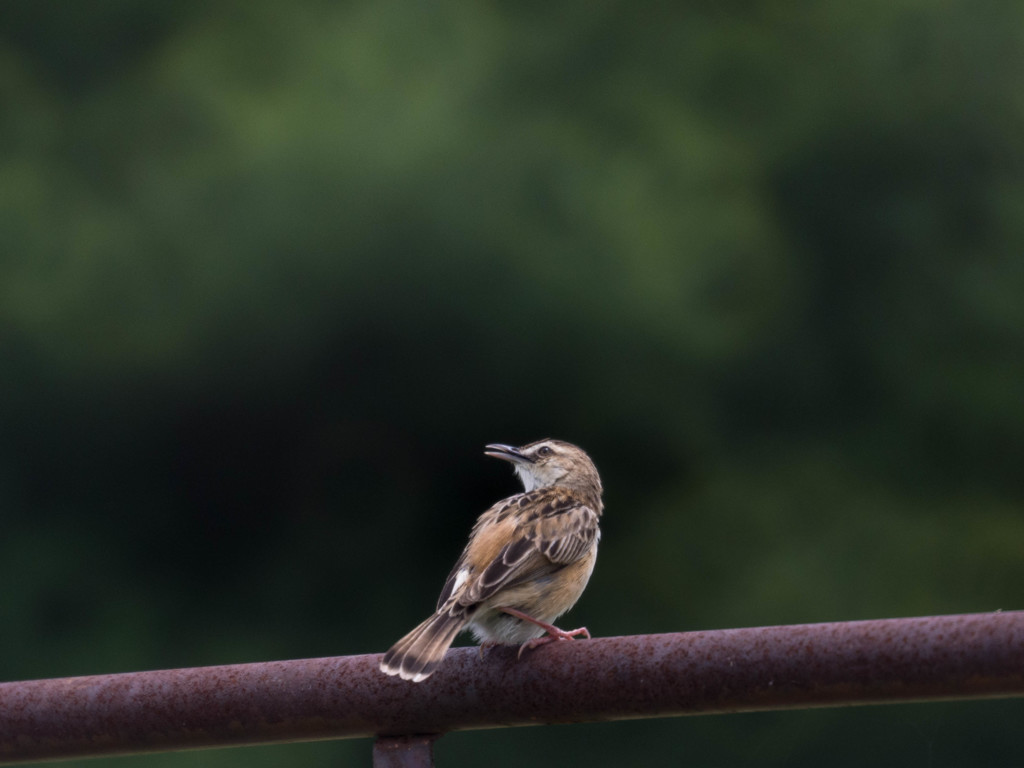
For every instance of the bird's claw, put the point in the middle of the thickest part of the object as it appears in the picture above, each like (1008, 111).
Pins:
(551, 637)
(485, 646)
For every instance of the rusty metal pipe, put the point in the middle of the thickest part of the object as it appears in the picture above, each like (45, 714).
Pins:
(734, 670)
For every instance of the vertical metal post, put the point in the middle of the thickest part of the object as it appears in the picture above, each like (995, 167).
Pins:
(404, 751)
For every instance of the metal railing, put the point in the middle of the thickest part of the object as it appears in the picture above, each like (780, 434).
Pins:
(735, 670)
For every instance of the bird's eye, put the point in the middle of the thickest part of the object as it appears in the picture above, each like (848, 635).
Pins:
(544, 450)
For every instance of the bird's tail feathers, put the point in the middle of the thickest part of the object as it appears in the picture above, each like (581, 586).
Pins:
(418, 654)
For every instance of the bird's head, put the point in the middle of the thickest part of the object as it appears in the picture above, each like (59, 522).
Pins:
(550, 462)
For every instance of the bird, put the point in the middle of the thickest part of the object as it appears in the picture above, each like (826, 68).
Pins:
(528, 560)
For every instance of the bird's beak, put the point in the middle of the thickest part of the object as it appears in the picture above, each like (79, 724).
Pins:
(507, 452)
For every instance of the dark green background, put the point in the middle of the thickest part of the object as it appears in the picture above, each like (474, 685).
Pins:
(272, 274)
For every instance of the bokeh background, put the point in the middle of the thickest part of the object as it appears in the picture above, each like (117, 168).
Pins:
(271, 275)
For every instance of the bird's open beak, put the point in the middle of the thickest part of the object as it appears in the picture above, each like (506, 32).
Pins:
(506, 452)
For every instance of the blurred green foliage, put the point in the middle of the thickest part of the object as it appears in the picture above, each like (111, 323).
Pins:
(270, 277)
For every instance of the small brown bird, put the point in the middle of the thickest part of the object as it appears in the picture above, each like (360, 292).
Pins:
(527, 562)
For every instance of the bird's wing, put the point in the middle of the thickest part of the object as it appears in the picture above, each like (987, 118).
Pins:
(523, 538)
(567, 536)
(460, 571)
(451, 582)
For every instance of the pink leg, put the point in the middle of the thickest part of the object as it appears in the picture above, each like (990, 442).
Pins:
(553, 632)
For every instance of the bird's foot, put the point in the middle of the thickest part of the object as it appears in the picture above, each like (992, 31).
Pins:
(551, 637)
(553, 633)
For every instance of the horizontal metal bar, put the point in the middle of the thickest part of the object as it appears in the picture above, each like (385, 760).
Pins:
(812, 665)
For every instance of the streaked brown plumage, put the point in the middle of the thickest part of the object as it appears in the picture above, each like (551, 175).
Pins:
(527, 562)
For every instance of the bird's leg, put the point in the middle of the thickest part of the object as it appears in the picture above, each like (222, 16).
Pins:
(553, 632)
